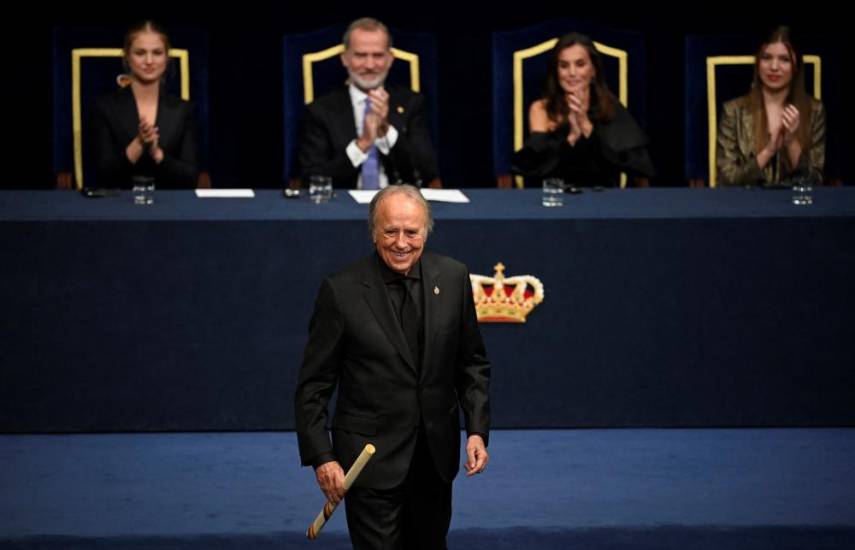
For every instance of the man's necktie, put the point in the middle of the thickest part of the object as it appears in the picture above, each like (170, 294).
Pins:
(409, 317)
(371, 166)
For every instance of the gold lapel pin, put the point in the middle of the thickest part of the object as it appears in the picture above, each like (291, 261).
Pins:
(436, 290)
(400, 109)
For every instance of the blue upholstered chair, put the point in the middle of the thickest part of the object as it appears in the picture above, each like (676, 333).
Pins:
(88, 63)
(312, 68)
(519, 68)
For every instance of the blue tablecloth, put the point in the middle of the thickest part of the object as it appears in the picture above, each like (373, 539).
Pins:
(663, 307)
(485, 204)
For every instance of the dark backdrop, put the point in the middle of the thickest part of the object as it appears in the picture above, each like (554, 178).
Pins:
(246, 56)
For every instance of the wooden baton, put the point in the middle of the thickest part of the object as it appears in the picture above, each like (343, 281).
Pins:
(351, 475)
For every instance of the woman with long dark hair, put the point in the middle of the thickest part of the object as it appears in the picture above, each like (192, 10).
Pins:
(578, 130)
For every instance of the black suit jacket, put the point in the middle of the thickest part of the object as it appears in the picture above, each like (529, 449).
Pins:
(328, 127)
(355, 343)
(114, 125)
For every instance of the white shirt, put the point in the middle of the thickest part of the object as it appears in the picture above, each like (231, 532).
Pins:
(384, 144)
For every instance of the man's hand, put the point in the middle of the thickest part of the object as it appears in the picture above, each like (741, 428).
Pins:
(369, 132)
(476, 454)
(330, 478)
(379, 99)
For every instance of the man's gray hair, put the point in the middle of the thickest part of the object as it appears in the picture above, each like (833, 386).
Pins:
(366, 24)
(405, 189)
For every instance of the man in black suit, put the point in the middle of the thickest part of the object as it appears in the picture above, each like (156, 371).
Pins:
(396, 332)
(364, 136)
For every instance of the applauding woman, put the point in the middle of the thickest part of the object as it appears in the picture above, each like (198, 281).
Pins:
(140, 129)
(578, 130)
(776, 133)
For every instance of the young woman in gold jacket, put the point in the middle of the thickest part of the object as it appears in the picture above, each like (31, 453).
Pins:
(775, 133)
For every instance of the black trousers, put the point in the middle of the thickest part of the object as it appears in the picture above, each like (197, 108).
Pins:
(413, 516)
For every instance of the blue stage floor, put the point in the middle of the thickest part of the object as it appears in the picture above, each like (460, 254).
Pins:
(622, 487)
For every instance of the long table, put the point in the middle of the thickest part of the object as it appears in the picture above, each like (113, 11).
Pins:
(663, 307)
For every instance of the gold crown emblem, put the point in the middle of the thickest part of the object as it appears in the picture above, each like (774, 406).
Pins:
(501, 299)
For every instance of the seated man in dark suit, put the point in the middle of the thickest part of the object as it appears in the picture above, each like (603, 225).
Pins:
(364, 136)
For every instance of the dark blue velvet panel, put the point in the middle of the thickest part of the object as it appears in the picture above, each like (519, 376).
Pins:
(663, 307)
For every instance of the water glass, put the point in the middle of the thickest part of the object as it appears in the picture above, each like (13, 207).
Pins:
(802, 192)
(320, 189)
(143, 190)
(553, 192)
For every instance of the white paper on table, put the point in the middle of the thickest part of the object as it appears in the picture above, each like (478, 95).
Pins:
(363, 196)
(225, 193)
(444, 195)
